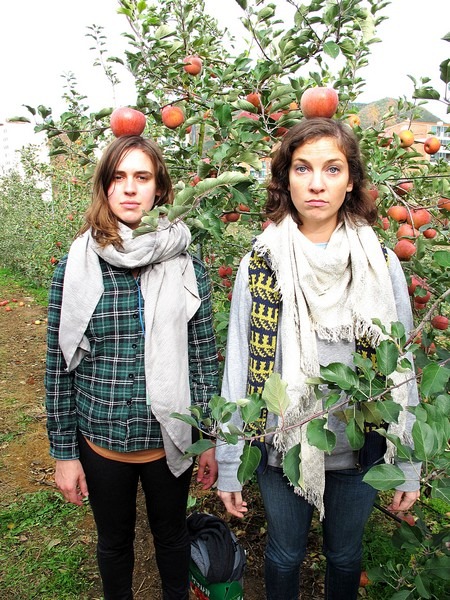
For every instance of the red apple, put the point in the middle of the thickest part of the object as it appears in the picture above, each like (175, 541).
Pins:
(404, 187)
(431, 145)
(172, 116)
(422, 299)
(404, 249)
(384, 223)
(406, 230)
(430, 233)
(232, 217)
(243, 208)
(193, 65)
(440, 322)
(363, 579)
(418, 217)
(127, 121)
(319, 102)
(255, 99)
(225, 271)
(245, 114)
(444, 204)
(398, 213)
(226, 283)
(354, 120)
(373, 193)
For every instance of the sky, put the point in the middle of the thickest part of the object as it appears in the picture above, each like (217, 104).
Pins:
(40, 41)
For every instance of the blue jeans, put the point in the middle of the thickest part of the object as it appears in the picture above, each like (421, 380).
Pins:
(348, 504)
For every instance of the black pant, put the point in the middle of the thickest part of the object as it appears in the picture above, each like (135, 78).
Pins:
(112, 489)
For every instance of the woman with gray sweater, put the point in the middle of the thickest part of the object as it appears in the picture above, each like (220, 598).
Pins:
(306, 296)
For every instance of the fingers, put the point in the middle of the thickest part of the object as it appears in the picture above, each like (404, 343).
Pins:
(233, 503)
(403, 500)
(207, 469)
(71, 481)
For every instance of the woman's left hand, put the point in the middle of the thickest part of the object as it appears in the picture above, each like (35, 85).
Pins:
(207, 468)
(403, 500)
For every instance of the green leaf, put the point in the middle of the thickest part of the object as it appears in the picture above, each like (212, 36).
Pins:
(274, 394)
(444, 69)
(291, 465)
(438, 566)
(354, 434)
(198, 448)
(251, 159)
(384, 477)
(251, 411)
(223, 113)
(424, 440)
(177, 211)
(442, 258)
(319, 436)
(389, 410)
(420, 586)
(441, 490)
(344, 377)
(434, 379)
(251, 455)
(185, 418)
(387, 356)
(332, 49)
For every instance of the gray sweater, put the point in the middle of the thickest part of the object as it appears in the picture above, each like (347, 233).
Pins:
(235, 381)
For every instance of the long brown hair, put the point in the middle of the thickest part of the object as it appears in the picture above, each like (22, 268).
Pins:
(99, 216)
(358, 205)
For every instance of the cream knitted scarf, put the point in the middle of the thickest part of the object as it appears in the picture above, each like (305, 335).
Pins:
(171, 298)
(332, 293)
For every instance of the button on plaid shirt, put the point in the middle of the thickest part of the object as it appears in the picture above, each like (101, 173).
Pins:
(105, 396)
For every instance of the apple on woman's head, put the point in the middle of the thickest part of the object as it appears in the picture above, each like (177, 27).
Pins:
(319, 102)
(127, 121)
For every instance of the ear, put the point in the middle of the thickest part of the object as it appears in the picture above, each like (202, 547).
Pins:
(350, 186)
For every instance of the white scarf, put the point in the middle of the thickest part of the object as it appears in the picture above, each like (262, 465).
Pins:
(333, 293)
(171, 299)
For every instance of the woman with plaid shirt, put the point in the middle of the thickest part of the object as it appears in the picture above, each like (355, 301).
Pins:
(130, 341)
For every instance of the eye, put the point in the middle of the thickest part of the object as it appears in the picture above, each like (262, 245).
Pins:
(117, 177)
(301, 168)
(334, 170)
(143, 177)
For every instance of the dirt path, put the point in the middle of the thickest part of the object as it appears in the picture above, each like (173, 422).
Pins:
(25, 465)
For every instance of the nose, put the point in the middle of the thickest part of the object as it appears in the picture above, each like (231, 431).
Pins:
(130, 185)
(316, 182)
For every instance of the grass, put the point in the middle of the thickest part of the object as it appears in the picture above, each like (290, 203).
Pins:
(42, 552)
(12, 281)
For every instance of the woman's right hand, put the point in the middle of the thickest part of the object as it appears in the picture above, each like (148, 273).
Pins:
(71, 481)
(233, 503)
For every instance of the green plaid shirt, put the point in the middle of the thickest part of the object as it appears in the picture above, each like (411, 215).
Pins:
(105, 396)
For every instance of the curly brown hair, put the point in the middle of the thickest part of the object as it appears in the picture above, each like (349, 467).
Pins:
(99, 216)
(358, 206)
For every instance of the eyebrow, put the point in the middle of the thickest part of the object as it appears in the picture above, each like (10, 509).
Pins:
(142, 172)
(331, 160)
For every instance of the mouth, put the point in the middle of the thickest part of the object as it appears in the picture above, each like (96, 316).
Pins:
(130, 205)
(316, 202)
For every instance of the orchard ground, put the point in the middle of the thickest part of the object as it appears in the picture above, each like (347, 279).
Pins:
(26, 467)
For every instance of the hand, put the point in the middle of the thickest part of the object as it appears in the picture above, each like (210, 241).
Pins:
(207, 468)
(403, 500)
(71, 481)
(233, 503)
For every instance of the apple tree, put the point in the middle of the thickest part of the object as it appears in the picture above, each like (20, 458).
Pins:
(219, 107)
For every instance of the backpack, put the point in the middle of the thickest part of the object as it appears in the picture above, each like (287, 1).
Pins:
(215, 550)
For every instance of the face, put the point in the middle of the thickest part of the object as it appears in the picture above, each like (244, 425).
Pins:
(133, 188)
(318, 181)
